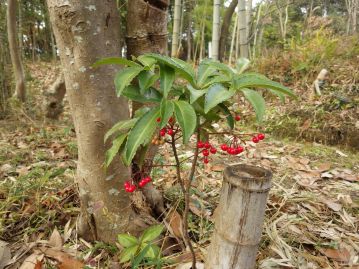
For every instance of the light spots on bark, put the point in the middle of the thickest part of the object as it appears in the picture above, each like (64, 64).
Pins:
(76, 86)
(91, 7)
(92, 76)
(78, 39)
(82, 69)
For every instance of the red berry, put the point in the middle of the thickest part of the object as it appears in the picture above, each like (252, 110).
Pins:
(233, 151)
(200, 144)
(213, 150)
(170, 120)
(205, 152)
(240, 149)
(163, 132)
(170, 132)
(147, 179)
(207, 145)
(237, 118)
(205, 160)
(132, 188)
(229, 150)
(158, 119)
(224, 147)
(255, 139)
(261, 136)
(142, 183)
(127, 184)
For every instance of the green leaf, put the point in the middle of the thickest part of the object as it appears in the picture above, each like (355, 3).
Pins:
(167, 77)
(186, 117)
(256, 101)
(242, 64)
(116, 145)
(229, 116)
(127, 240)
(115, 60)
(217, 79)
(146, 79)
(220, 67)
(216, 94)
(195, 94)
(128, 253)
(259, 81)
(184, 69)
(204, 71)
(141, 111)
(120, 126)
(141, 133)
(151, 233)
(153, 252)
(146, 60)
(139, 258)
(124, 77)
(279, 94)
(167, 108)
(150, 95)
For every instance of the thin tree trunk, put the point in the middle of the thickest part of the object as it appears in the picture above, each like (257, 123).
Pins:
(176, 27)
(86, 32)
(242, 26)
(239, 218)
(20, 91)
(249, 24)
(227, 18)
(189, 34)
(233, 39)
(216, 28)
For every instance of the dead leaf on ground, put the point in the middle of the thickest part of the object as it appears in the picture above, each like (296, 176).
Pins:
(341, 255)
(5, 255)
(65, 260)
(56, 239)
(324, 167)
(174, 221)
(32, 261)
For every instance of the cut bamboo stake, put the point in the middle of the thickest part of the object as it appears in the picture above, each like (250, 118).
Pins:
(239, 218)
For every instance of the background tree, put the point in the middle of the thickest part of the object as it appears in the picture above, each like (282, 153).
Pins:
(20, 90)
(176, 27)
(227, 19)
(242, 29)
(216, 28)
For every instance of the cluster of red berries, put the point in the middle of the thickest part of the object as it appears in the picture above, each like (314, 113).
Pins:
(207, 149)
(169, 130)
(257, 138)
(232, 149)
(129, 187)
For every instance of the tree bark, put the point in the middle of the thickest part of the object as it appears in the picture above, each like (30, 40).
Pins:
(249, 24)
(147, 32)
(227, 18)
(176, 27)
(87, 31)
(20, 90)
(216, 28)
(239, 218)
(146, 27)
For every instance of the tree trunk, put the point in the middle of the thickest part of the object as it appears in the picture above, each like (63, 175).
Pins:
(256, 31)
(239, 218)
(189, 31)
(146, 27)
(233, 40)
(147, 32)
(249, 24)
(85, 33)
(242, 26)
(216, 27)
(176, 27)
(20, 91)
(227, 18)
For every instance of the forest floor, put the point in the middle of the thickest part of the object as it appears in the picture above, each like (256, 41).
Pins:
(311, 217)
